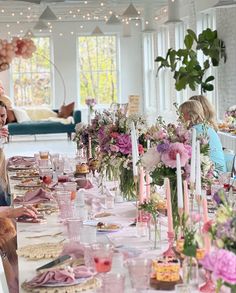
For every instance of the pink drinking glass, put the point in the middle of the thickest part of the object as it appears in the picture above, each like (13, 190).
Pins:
(102, 256)
(73, 229)
(140, 272)
(112, 283)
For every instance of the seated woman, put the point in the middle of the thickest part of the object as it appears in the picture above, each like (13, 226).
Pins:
(193, 113)
(8, 253)
(208, 110)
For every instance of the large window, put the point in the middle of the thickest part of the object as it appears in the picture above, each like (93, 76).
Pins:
(98, 75)
(32, 78)
(163, 79)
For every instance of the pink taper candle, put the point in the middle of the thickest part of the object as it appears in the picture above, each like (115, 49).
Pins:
(148, 189)
(186, 198)
(141, 185)
(169, 206)
(207, 240)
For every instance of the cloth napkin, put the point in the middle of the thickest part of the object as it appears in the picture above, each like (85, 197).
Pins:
(74, 249)
(58, 276)
(19, 160)
(34, 196)
(84, 183)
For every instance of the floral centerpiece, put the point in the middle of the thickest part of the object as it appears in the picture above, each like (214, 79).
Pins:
(160, 160)
(83, 131)
(116, 149)
(221, 261)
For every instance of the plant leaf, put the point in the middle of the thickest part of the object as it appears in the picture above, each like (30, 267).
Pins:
(188, 41)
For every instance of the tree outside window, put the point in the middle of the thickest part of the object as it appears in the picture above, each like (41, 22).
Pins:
(32, 84)
(98, 69)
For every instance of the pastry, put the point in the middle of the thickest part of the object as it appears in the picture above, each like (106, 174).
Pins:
(167, 269)
(93, 164)
(82, 168)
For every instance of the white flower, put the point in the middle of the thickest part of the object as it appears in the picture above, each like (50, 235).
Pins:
(79, 126)
(206, 164)
(150, 159)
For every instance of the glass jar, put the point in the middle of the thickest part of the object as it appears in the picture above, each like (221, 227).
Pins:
(190, 271)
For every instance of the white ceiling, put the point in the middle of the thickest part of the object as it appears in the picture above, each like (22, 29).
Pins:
(72, 10)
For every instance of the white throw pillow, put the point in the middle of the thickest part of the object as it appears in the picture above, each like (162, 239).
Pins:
(21, 115)
(40, 113)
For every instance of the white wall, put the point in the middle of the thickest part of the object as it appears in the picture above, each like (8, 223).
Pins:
(64, 51)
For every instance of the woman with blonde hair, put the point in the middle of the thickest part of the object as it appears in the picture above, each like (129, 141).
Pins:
(208, 109)
(192, 113)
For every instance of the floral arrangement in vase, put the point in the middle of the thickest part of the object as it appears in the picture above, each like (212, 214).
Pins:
(116, 149)
(160, 160)
(84, 132)
(221, 260)
(16, 48)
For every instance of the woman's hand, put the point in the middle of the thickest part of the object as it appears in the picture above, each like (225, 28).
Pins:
(4, 132)
(21, 211)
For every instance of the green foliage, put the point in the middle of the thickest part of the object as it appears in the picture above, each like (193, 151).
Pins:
(184, 62)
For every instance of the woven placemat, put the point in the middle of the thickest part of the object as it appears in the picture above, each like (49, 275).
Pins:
(89, 284)
(41, 250)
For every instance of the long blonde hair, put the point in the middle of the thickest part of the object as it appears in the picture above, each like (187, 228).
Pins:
(208, 108)
(194, 110)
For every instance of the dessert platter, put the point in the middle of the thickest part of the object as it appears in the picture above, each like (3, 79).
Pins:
(21, 167)
(167, 273)
(81, 169)
(108, 227)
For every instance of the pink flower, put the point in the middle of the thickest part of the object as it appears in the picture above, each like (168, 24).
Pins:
(207, 226)
(196, 217)
(140, 149)
(114, 134)
(169, 157)
(160, 134)
(223, 265)
(114, 148)
(150, 159)
(124, 144)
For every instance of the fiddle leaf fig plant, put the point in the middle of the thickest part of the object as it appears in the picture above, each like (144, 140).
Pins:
(188, 71)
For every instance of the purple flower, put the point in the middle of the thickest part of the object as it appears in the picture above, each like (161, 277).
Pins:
(217, 198)
(163, 147)
(124, 143)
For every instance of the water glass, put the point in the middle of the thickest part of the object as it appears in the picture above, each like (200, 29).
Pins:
(112, 283)
(102, 256)
(141, 229)
(59, 166)
(73, 229)
(71, 187)
(139, 272)
(182, 288)
(88, 234)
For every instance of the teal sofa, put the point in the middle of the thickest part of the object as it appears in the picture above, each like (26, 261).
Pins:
(44, 127)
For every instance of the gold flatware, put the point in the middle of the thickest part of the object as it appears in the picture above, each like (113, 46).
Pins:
(46, 235)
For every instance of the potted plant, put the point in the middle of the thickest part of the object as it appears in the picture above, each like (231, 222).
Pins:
(184, 62)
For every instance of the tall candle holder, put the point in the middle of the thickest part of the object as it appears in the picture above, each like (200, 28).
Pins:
(170, 252)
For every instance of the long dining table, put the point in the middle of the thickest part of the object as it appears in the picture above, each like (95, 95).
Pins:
(126, 239)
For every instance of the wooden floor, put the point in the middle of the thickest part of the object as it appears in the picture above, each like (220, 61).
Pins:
(30, 144)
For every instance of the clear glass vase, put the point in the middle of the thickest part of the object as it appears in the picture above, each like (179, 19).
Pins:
(190, 272)
(154, 232)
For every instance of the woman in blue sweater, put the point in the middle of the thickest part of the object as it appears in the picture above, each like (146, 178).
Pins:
(192, 112)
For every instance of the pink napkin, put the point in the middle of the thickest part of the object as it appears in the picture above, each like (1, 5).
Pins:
(53, 277)
(84, 183)
(74, 249)
(65, 276)
(19, 160)
(34, 196)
